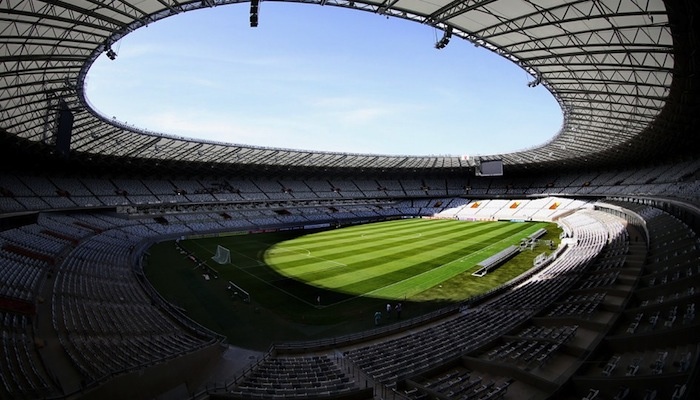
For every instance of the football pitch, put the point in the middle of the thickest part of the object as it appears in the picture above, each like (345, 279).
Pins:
(306, 285)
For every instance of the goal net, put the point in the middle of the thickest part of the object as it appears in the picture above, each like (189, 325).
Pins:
(222, 256)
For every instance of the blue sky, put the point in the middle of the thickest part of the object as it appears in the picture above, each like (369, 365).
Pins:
(320, 78)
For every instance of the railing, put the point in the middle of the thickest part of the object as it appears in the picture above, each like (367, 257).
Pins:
(219, 387)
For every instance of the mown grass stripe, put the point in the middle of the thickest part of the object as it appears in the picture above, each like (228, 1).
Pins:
(415, 284)
(288, 255)
(340, 236)
(332, 245)
(354, 231)
(400, 269)
(382, 250)
(362, 259)
(385, 226)
(333, 239)
(380, 265)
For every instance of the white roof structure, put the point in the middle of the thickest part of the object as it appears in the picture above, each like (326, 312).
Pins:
(611, 64)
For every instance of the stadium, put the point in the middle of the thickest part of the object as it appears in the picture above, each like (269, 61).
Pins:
(607, 313)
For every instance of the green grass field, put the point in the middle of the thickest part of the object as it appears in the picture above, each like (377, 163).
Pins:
(425, 264)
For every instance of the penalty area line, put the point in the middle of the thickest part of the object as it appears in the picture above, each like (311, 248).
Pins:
(277, 288)
(245, 269)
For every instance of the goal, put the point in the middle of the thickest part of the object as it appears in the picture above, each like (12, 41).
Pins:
(222, 256)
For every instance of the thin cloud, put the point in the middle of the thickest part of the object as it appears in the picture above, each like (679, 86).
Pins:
(360, 111)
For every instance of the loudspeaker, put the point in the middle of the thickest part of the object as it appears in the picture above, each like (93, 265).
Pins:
(64, 129)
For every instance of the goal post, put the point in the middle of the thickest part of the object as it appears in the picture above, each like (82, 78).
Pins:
(222, 256)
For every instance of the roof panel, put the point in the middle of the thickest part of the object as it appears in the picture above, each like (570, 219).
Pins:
(420, 7)
(609, 59)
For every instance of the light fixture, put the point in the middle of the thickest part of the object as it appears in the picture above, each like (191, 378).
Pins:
(445, 39)
(254, 13)
(536, 82)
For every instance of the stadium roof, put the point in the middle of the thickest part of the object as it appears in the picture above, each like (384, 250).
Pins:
(623, 71)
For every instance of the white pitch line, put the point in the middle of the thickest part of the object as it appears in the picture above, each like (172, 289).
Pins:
(277, 288)
(422, 273)
(259, 278)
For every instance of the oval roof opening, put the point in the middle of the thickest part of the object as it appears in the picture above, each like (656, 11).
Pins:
(320, 78)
